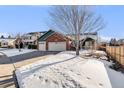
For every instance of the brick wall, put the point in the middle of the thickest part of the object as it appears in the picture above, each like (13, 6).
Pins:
(57, 38)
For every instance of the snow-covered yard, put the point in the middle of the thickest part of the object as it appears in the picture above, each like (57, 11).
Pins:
(64, 70)
(14, 52)
(116, 78)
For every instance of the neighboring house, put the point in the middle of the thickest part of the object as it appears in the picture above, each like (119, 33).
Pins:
(113, 42)
(53, 41)
(31, 38)
(120, 41)
(87, 40)
(3, 44)
(7, 42)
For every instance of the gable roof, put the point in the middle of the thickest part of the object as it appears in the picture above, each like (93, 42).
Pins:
(121, 40)
(90, 33)
(36, 32)
(51, 32)
(46, 35)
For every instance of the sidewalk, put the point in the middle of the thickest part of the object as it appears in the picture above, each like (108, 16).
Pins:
(6, 76)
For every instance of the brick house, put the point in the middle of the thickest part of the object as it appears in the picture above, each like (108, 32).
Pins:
(53, 41)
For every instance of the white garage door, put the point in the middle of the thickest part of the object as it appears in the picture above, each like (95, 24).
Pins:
(57, 46)
(42, 46)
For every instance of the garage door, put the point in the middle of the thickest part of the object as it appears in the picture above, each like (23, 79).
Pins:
(42, 46)
(57, 46)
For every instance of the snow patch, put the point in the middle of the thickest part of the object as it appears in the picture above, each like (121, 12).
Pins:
(116, 78)
(64, 70)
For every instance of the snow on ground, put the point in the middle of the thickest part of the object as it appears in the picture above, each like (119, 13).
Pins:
(64, 70)
(116, 78)
(1, 49)
(14, 52)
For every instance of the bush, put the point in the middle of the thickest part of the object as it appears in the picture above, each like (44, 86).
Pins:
(19, 46)
(32, 46)
(10, 46)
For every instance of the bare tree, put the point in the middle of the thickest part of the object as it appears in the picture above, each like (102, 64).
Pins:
(18, 41)
(75, 20)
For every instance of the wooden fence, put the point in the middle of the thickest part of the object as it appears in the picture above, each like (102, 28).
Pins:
(117, 53)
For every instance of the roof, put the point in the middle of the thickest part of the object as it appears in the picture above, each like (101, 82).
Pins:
(37, 32)
(88, 39)
(121, 40)
(49, 33)
(90, 33)
(7, 40)
(46, 35)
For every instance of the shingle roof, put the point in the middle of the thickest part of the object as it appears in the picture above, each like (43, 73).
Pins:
(46, 35)
(51, 32)
(90, 33)
(37, 32)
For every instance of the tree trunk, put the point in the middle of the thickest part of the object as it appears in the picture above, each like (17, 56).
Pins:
(77, 43)
(77, 51)
(19, 47)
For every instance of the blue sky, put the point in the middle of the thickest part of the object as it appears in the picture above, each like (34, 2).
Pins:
(23, 19)
(114, 19)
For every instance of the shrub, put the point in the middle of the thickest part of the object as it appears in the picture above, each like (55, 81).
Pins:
(10, 46)
(32, 46)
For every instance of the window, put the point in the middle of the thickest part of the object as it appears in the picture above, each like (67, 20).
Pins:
(30, 37)
(4, 43)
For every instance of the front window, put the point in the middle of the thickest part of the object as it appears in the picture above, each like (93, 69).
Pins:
(4, 43)
(30, 37)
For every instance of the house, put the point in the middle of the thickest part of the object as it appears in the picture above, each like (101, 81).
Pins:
(120, 42)
(3, 44)
(7, 42)
(113, 42)
(53, 41)
(87, 40)
(31, 38)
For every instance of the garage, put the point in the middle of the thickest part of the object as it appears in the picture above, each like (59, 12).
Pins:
(42, 46)
(56, 46)
(53, 41)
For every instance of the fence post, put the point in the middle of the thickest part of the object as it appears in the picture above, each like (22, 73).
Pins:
(109, 50)
(120, 54)
(112, 52)
(123, 54)
(115, 52)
